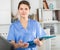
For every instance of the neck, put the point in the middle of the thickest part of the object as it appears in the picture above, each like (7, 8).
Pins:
(23, 19)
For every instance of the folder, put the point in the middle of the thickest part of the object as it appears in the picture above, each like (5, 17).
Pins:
(32, 44)
(46, 37)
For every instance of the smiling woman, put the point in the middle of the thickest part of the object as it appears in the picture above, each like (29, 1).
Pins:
(25, 29)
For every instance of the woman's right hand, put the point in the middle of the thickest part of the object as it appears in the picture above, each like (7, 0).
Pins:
(23, 45)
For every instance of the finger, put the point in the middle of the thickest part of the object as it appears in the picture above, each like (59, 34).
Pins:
(36, 40)
(41, 43)
(26, 45)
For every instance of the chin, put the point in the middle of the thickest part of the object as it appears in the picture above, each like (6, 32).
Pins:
(23, 16)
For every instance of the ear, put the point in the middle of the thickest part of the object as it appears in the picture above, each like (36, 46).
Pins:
(18, 12)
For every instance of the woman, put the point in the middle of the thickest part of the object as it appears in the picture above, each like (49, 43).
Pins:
(25, 29)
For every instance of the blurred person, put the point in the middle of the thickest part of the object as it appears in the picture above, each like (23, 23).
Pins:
(25, 29)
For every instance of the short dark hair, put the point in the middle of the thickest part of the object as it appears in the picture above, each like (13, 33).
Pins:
(24, 2)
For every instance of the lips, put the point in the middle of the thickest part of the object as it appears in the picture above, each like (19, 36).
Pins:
(23, 13)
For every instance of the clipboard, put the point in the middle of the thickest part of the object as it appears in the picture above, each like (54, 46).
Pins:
(46, 37)
(32, 44)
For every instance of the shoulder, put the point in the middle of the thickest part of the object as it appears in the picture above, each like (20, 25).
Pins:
(31, 20)
(14, 23)
(34, 21)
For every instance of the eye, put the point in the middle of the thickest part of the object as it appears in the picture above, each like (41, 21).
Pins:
(21, 8)
(26, 8)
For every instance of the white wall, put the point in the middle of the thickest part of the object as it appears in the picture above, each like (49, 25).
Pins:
(34, 5)
(14, 6)
(58, 28)
(4, 30)
(5, 11)
(58, 4)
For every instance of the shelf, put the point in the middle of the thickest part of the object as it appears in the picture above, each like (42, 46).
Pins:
(51, 22)
(50, 9)
(53, 4)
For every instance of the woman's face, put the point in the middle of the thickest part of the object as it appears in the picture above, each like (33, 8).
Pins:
(24, 10)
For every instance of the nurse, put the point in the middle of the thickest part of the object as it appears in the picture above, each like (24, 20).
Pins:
(25, 29)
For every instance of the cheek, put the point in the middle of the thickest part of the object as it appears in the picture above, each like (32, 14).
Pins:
(28, 12)
(20, 12)
(25, 12)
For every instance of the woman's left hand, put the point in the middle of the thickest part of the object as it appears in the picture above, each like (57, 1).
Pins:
(38, 42)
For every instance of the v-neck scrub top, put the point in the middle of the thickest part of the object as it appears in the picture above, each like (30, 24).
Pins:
(17, 32)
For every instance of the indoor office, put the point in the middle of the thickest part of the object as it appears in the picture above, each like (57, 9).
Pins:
(46, 12)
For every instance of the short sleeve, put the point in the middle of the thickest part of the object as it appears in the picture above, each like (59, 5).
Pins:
(39, 30)
(11, 35)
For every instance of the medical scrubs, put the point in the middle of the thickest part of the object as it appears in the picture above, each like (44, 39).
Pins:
(17, 32)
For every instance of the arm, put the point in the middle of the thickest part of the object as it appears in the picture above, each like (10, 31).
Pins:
(11, 38)
(38, 42)
(39, 33)
(20, 44)
(16, 45)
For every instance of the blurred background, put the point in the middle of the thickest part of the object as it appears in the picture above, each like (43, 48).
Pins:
(47, 12)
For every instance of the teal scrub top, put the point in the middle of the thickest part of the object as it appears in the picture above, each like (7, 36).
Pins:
(17, 32)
